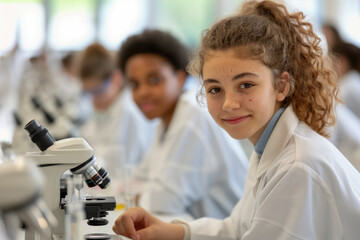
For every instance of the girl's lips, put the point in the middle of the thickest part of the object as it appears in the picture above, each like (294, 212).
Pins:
(235, 120)
(146, 107)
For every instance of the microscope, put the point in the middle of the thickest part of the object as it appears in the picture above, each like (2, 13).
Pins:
(56, 157)
(21, 202)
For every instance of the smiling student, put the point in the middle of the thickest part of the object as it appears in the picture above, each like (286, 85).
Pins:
(266, 80)
(192, 166)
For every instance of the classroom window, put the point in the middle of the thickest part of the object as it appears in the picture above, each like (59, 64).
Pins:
(120, 18)
(186, 19)
(71, 25)
(22, 23)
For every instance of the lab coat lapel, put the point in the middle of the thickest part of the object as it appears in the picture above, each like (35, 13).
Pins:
(252, 175)
(278, 140)
(171, 130)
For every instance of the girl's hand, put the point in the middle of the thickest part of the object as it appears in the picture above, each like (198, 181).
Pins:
(136, 223)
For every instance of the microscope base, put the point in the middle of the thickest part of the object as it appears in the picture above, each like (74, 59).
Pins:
(113, 237)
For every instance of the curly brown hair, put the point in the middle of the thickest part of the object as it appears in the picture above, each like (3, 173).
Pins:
(283, 42)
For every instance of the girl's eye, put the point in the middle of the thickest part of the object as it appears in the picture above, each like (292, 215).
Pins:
(154, 80)
(246, 85)
(214, 90)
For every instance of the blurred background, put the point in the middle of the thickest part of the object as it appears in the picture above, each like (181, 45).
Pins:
(38, 39)
(68, 25)
(41, 41)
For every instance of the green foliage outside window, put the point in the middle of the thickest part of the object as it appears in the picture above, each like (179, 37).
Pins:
(186, 19)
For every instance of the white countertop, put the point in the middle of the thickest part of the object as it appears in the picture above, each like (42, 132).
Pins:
(107, 229)
(113, 215)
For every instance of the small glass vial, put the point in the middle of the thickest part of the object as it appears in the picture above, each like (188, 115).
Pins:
(75, 213)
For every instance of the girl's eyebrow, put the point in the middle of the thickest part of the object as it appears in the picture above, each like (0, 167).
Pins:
(210, 80)
(236, 77)
(152, 73)
(245, 74)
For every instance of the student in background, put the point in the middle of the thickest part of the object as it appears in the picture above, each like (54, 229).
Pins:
(346, 133)
(117, 130)
(193, 166)
(265, 80)
(331, 34)
(348, 57)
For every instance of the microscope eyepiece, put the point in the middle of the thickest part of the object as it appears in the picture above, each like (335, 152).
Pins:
(39, 135)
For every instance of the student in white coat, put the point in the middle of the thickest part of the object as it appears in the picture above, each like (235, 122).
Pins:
(348, 56)
(345, 135)
(117, 130)
(193, 167)
(265, 80)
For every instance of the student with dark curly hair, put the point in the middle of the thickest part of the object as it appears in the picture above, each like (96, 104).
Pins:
(266, 80)
(193, 166)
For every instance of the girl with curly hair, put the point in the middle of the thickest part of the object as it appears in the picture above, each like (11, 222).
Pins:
(266, 80)
(193, 167)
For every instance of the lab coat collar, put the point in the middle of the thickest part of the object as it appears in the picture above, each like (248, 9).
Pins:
(278, 140)
(264, 138)
(187, 97)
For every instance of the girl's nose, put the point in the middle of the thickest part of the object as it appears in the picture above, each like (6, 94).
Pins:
(231, 102)
(142, 90)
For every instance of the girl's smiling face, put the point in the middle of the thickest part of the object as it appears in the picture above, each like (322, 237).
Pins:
(240, 93)
(156, 85)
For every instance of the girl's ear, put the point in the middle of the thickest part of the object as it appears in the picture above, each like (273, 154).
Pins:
(283, 86)
(181, 74)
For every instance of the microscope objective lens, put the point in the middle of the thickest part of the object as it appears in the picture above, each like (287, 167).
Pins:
(92, 176)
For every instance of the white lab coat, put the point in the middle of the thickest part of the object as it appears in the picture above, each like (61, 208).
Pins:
(302, 188)
(345, 135)
(3, 232)
(350, 91)
(119, 135)
(194, 167)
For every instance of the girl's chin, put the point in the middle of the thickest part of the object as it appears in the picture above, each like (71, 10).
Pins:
(238, 136)
(150, 116)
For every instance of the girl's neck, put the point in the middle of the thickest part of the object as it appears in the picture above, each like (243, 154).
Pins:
(168, 116)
